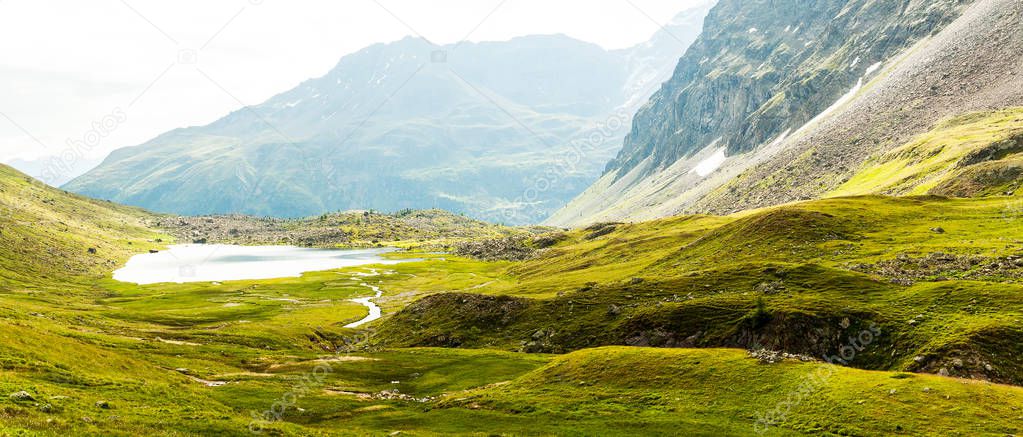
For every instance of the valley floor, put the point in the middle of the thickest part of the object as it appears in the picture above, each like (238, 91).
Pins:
(697, 325)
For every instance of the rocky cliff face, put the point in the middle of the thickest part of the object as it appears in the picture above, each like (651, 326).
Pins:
(765, 66)
(782, 100)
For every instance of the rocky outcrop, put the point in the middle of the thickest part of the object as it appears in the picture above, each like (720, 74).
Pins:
(351, 229)
(783, 101)
(762, 67)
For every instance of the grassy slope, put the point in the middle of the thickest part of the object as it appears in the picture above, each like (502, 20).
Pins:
(46, 233)
(723, 392)
(73, 338)
(981, 149)
(761, 279)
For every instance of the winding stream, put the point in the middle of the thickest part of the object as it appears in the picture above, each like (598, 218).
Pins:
(374, 310)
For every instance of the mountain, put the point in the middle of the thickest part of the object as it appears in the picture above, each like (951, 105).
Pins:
(55, 170)
(505, 131)
(785, 101)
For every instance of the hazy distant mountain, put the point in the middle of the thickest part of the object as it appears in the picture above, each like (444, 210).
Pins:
(479, 128)
(54, 170)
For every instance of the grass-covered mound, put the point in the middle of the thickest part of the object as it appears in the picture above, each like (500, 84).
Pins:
(725, 392)
(802, 278)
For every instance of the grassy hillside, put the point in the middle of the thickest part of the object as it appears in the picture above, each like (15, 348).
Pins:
(972, 155)
(940, 278)
(725, 392)
(82, 354)
(47, 234)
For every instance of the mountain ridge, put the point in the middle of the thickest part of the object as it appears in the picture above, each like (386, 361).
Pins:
(470, 128)
(805, 153)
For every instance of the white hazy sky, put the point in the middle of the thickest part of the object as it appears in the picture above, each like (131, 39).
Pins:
(65, 64)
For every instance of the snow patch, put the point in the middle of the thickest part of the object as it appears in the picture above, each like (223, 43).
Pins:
(711, 164)
(779, 140)
(753, 30)
(293, 104)
(838, 104)
(854, 62)
(872, 69)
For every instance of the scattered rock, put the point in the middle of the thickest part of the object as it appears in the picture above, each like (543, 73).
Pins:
(395, 395)
(92, 250)
(771, 357)
(22, 396)
(548, 240)
(940, 266)
(601, 229)
(103, 405)
(498, 249)
(938, 230)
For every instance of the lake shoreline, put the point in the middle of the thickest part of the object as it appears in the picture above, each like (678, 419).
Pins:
(190, 263)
